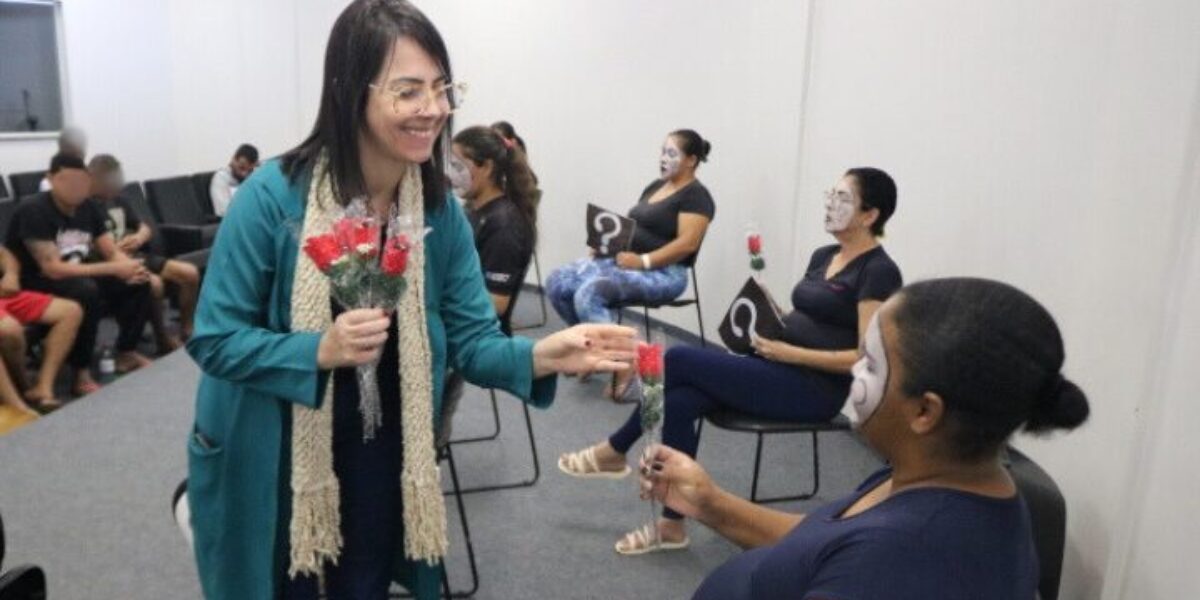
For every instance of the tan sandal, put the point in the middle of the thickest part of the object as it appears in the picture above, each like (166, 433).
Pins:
(641, 541)
(583, 464)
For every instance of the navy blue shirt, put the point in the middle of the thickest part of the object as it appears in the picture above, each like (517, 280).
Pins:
(921, 544)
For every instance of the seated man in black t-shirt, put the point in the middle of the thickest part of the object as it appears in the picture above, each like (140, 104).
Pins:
(52, 234)
(131, 235)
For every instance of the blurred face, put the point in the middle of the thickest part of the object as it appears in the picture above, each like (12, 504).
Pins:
(468, 179)
(870, 376)
(107, 186)
(403, 118)
(242, 168)
(670, 161)
(71, 186)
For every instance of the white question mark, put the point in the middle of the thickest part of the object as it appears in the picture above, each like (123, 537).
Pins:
(605, 237)
(748, 305)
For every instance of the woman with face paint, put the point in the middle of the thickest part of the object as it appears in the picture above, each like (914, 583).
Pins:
(949, 370)
(286, 496)
(672, 216)
(804, 377)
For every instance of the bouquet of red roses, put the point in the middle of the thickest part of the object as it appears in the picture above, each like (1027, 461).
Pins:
(365, 264)
(651, 411)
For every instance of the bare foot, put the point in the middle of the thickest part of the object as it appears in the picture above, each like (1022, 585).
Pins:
(672, 535)
(600, 460)
(131, 361)
(43, 399)
(84, 384)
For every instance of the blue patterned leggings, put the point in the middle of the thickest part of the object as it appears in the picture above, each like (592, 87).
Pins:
(583, 291)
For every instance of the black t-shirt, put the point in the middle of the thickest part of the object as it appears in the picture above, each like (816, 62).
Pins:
(504, 240)
(825, 315)
(658, 222)
(120, 219)
(38, 219)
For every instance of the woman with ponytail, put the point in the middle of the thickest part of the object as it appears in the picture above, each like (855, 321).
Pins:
(949, 370)
(489, 172)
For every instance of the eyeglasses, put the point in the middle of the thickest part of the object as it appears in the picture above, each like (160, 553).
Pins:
(833, 195)
(412, 99)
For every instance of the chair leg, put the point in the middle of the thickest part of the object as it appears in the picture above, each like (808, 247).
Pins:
(646, 319)
(495, 419)
(816, 461)
(700, 322)
(757, 463)
(537, 468)
(462, 513)
(537, 269)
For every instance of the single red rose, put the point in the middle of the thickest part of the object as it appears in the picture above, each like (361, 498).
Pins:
(650, 361)
(395, 256)
(323, 250)
(754, 242)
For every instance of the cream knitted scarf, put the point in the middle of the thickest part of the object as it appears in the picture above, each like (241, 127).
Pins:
(315, 530)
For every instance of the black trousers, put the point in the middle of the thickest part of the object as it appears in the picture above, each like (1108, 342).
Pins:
(130, 304)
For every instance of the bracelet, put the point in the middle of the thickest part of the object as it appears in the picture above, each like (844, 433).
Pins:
(646, 262)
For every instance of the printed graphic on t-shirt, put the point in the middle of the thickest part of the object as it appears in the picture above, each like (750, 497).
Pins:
(73, 245)
(497, 277)
(116, 223)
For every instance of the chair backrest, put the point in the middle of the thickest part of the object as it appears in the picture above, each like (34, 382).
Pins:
(136, 196)
(4, 189)
(24, 184)
(1048, 514)
(8, 208)
(202, 183)
(174, 201)
(506, 318)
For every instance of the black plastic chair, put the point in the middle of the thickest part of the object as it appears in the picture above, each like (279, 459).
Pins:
(133, 193)
(677, 303)
(202, 184)
(1048, 515)
(8, 207)
(506, 327)
(26, 183)
(184, 226)
(738, 421)
(25, 582)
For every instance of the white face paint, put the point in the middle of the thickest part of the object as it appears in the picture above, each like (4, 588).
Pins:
(668, 161)
(459, 176)
(839, 209)
(870, 377)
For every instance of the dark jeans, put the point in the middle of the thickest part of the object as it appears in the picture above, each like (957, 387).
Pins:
(130, 304)
(700, 381)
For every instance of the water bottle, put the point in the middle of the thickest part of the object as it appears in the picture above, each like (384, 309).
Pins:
(108, 364)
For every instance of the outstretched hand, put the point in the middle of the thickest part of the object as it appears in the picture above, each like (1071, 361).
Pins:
(585, 349)
(676, 480)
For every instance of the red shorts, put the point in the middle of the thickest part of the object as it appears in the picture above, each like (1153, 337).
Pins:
(26, 307)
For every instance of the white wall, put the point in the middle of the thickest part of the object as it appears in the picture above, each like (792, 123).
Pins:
(1052, 145)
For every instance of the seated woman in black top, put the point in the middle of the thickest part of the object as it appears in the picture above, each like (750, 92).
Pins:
(950, 369)
(672, 216)
(492, 176)
(804, 377)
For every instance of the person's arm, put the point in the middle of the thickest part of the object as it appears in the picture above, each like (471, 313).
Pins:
(108, 248)
(691, 230)
(833, 361)
(680, 483)
(233, 340)
(52, 266)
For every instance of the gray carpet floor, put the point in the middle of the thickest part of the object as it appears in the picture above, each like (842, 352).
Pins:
(85, 493)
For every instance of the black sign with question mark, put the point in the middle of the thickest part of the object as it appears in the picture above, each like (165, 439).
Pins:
(608, 233)
(752, 313)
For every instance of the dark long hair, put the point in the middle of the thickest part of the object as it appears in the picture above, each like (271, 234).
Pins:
(993, 354)
(360, 41)
(510, 170)
(506, 129)
(877, 189)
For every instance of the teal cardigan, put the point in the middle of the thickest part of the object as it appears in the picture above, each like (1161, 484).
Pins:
(255, 368)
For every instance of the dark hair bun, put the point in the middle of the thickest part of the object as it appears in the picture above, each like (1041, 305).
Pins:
(705, 148)
(1062, 406)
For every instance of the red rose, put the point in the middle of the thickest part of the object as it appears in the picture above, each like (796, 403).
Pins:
(395, 256)
(323, 250)
(754, 242)
(359, 235)
(650, 361)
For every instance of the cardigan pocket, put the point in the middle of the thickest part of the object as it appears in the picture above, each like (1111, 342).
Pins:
(204, 462)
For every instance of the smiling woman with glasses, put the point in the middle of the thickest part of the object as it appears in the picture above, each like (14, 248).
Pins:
(285, 494)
